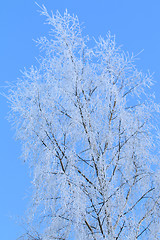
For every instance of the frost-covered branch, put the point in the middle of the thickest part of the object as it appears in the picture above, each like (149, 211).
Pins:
(86, 121)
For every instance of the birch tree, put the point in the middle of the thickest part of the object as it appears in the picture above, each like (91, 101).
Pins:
(87, 124)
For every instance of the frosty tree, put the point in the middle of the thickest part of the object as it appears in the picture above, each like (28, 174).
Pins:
(87, 124)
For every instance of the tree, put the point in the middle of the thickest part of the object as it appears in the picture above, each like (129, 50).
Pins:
(87, 123)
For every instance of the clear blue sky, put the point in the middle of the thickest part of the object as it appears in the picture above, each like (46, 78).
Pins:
(136, 24)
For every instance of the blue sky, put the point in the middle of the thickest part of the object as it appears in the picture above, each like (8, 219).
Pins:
(136, 25)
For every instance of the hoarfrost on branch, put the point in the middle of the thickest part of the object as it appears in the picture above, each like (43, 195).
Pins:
(87, 121)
